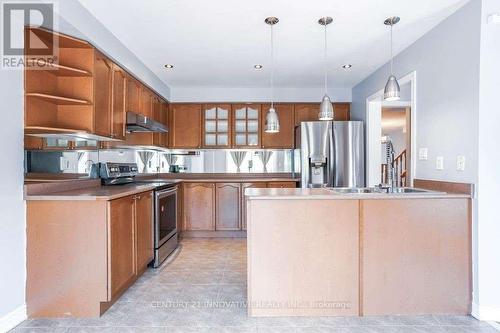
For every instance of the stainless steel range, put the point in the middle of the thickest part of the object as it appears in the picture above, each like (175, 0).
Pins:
(165, 205)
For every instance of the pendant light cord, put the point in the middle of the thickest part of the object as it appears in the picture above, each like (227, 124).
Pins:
(325, 61)
(392, 57)
(272, 66)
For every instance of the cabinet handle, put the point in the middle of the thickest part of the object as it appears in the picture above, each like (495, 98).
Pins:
(138, 197)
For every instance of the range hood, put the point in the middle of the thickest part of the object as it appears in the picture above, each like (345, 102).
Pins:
(139, 123)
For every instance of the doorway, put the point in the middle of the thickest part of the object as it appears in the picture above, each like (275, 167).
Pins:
(395, 121)
(396, 131)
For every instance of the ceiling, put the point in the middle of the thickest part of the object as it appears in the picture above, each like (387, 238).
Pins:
(217, 43)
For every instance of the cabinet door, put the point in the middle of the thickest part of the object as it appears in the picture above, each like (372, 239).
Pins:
(103, 74)
(227, 207)
(185, 126)
(199, 206)
(306, 112)
(285, 137)
(119, 103)
(146, 102)
(165, 121)
(144, 229)
(216, 125)
(246, 125)
(342, 111)
(244, 203)
(133, 95)
(281, 185)
(121, 245)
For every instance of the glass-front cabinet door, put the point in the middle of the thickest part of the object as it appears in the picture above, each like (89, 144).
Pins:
(216, 126)
(246, 131)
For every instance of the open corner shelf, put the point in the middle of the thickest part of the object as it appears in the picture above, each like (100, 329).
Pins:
(67, 71)
(58, 100)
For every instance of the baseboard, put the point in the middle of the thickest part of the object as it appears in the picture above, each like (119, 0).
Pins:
(213, 234)
(12, 319)
(485, 313)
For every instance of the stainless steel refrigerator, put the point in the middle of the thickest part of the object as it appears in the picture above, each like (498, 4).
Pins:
(331, 153)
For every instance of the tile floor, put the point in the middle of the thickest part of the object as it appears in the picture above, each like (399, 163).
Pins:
(203, 288)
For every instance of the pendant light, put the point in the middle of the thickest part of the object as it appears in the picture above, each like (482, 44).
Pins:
(326, 107)
(272, 121)
(392, 90)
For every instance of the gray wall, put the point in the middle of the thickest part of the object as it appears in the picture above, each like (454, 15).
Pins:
(446, 61)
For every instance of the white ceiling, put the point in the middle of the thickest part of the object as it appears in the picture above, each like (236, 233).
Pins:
(216, 43)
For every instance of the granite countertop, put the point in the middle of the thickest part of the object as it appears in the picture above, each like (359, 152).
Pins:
(325, 194)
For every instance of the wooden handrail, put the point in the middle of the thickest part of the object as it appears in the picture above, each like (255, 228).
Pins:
(401, 170)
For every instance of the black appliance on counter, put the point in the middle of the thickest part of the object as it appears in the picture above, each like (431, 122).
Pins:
(164, 206)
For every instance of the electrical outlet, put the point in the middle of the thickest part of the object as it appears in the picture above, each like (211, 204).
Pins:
(423, 154)
(460, 163)
(439, 163)
(64, 163)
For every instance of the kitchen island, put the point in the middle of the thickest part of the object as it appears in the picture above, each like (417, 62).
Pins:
(314, 252)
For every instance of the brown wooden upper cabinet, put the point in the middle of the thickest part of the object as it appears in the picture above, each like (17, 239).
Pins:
(146, 108)
(246, 125)
(227, 206)
(216, 125)
(103, 78)
(118, 103)
(185, 126)
(199, 206)
(284, 138)
(309, 112)
(133, 95)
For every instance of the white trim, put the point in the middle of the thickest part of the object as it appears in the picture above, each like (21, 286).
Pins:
(12, 319)
(486, 313)
(376, 101)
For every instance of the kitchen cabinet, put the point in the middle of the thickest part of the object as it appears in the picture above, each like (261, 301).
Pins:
(185, 126)
(284, 139)
(228, 206)
(121, 245)
(217, 125)
(243, 201)
(118, 103)
(133, 95)
(103, 78)
(281, 185)
(144, 229)
(246, 125)
(146, 107)
(342, 111)
(161, 111)
(309, 112)
(199, 206)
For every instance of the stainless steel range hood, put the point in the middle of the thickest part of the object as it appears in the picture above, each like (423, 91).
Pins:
(139, 123)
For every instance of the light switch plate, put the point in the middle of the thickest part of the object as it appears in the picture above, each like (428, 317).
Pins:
(423, 154)
(439, 163)
(460, 163)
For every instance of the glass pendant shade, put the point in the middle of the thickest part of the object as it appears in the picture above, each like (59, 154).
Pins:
(392, 91)
(326, 109)
(272, 121)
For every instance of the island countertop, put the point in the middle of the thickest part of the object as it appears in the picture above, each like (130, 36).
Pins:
(326, 194)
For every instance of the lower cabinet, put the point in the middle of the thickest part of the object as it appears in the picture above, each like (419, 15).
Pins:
(243, 201)
(219, 206)
(144, 230)
(121, 245)
(227, 206)
(130, 240)
(199, 206)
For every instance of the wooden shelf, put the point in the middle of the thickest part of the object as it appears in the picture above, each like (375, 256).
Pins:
(59, 100)
(63, 133)
(67, 71)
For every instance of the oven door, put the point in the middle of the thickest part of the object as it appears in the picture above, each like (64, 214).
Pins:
(165, 215)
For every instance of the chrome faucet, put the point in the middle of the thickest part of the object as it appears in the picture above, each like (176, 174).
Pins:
(389, 162)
